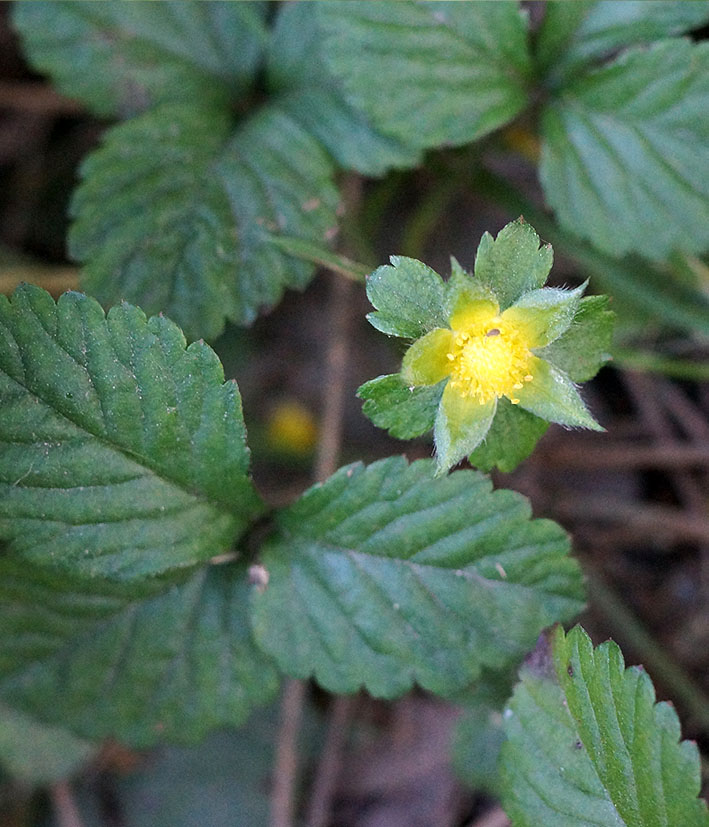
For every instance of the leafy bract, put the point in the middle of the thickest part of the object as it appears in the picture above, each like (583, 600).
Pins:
(385, 575)
(587, 744)
(429, 73)
(621, 149)
(157, 662)
(175, 211)
(510, 440)
(405, 412)
(573, 34)
(311, 95)
(37, 753)
(513, 262)
(585, 347)
(122, 452)
(409, 297)
(121, 59)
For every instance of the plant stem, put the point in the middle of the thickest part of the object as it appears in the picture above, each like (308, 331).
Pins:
(330, 764)
(659, 663)
(315, 254)
(65, 808)
(286, 762)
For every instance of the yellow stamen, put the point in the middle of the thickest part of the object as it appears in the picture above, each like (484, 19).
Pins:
(488, 360)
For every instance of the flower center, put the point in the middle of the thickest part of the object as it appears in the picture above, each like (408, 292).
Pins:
(489, 360)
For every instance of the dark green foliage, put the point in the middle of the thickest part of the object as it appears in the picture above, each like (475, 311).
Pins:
(587, 744)
(383, 576)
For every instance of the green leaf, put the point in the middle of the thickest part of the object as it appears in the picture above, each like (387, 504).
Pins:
(513, 263)
(122, 452)
(175, 213)
(405, 412)
(121, 59)
(37, 753)
(163, 662)
(585, 347)
(409, 297)
(587, 744)
(306, 90)
(477, 739)
(459, 70)
(385, 575)
(573, 34)
(510, 440)
(621, 149)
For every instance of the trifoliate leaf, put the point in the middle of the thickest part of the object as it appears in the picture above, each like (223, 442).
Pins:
(385, 575)
(37, 753)
(513, 263)
(510, 440)
(308, 92)
(621, 149)
(175, 211)
(587, 744)
(122, 452)
(405, 412)
(573, 34)
(409, 297)
(121, 59)
(141, 664)
(586, 345)
(429, 73)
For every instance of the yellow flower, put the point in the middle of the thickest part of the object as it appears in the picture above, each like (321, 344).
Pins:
(485, 354)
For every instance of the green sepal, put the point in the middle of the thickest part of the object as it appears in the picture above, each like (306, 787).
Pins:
(511, 439)
(461, 425)
(587, 743)
(585, 347)
(513, 263)
(404, 411)
(545, 314)
(409, 298)
(553, 396)
(426, 361)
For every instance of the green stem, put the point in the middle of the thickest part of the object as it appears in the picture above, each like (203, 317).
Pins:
(315, 254)
(659, 663)
(644, 360)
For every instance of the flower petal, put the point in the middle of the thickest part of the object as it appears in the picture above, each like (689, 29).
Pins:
(553, 396)
(541, 316)
(426, 362)
(461, 425)
(471, 306)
